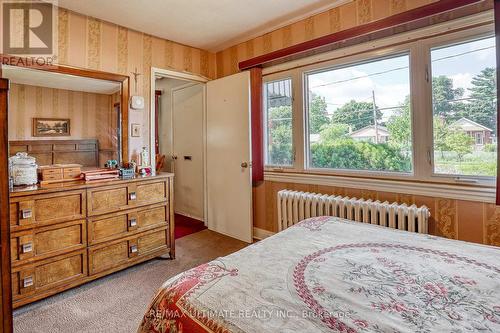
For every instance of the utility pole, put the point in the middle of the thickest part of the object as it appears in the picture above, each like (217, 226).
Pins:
(375, 116)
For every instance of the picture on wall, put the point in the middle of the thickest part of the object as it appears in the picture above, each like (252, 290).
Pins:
(51, 127)
(136, 130)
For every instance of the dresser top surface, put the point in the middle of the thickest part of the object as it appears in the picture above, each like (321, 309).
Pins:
(81, 184)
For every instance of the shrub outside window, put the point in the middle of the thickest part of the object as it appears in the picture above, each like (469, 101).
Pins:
(464, 108)
(359, 116)
(278, 111)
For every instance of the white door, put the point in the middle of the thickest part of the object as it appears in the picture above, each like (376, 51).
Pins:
(229, 174)
(187, 120)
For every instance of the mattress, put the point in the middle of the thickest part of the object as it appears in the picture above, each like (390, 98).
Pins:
(331, 275)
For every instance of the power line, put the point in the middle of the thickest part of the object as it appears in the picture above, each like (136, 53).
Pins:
(463, 53)
(361, 77)
(401, 68)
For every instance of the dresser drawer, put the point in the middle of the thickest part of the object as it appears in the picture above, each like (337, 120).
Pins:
(149, 192)
(152, 242)
(47, 209)
(53, 176)
(108, 199)
(41, 243)
(49, 276)
(113, 226)
(72, 173)
(120, 253)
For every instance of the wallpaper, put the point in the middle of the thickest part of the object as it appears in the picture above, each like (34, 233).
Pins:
(340, 18)
(456, 219)
(89, 43)
(90, 114)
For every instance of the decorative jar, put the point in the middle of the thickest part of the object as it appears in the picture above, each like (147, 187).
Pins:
(23, 169)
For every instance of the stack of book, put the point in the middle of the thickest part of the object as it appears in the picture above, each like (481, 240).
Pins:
(95, 175)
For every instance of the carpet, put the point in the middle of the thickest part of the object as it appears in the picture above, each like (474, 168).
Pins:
(186, 226)
(116, 303)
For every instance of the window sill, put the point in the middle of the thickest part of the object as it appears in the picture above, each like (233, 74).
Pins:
(450, 191)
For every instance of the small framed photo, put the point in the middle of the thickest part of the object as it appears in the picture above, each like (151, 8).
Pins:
(51, 127)
(135, 130)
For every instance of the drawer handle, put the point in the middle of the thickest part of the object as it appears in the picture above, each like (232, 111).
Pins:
(26, 213)
(132, 196)
(133, 222)
(27, 281)
(133, 248)
(28, 247)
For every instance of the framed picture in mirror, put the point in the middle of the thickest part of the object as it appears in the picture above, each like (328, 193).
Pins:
(51, 127)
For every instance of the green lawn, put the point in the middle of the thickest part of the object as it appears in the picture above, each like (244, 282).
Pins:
(476, 164)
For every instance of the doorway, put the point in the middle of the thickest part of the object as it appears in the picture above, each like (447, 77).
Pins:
(179, 145)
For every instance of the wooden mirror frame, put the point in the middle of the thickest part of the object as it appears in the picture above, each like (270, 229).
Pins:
(5, 282)
(124, 80)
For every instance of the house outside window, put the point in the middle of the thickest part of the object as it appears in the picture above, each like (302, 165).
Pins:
(423, 110)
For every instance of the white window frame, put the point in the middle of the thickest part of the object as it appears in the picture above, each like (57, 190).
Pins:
(422, 182)
(438, 42)
(418, 46)
(296, 135)
(344, 63)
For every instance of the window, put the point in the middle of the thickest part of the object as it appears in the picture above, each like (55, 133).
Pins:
(464, 108)
(278, 110)
(359, 116)
(418, 106)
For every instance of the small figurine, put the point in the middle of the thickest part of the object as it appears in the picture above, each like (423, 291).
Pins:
(144, 157)
(111, 164)
(133, 165)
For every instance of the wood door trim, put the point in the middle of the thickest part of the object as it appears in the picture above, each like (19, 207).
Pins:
(497, 37)
(257, 118)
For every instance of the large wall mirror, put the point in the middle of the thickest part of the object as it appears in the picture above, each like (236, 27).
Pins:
(63, 115)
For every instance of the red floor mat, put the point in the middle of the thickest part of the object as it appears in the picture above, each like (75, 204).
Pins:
(185, 226)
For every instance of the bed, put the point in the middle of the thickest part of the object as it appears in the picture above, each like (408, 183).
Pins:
(327, 274)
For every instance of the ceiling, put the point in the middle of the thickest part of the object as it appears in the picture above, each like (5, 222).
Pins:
(40, 78)
(207, 24)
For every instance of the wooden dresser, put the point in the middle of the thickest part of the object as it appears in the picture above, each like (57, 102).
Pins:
(67, 234)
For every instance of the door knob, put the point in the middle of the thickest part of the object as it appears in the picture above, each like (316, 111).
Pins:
(244, 165)
(174, 157)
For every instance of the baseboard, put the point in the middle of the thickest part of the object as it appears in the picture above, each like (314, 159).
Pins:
(260, 234)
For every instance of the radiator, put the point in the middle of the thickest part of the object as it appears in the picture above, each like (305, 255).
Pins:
(294, 206)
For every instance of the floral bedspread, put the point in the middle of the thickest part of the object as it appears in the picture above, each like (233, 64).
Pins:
(331, 275)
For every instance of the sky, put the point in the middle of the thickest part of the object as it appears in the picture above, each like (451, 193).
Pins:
(343, 84)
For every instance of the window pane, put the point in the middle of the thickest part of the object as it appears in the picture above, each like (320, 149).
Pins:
(278, 104)
(359, 117)
(464, 108)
